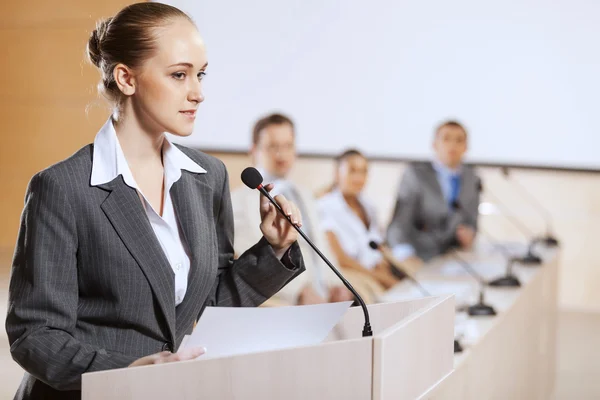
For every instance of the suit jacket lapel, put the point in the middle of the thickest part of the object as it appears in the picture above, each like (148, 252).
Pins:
(127, 215)
(467, 187)
(434, 183)
(193, 203)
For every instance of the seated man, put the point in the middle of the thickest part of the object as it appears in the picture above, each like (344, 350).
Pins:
(274, 153)
(438, 201)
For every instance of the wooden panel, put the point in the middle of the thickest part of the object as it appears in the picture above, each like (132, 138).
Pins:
(414, 355)
(382, 316)
(513, 355)
(40, 135)
(27, 13)
(53, 70)
(338, 370)
(414, 335)
(45, 87)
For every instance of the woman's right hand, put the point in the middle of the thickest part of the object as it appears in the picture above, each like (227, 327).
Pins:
(384, 275)
(167, 356)
(308, 295)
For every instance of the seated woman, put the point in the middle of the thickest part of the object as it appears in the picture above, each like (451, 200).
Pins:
(438, 201)
(350, 223)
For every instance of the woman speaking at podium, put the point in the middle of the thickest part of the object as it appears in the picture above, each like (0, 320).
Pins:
(123, 244)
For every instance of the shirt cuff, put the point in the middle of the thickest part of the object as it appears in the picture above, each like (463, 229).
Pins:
(288, 257)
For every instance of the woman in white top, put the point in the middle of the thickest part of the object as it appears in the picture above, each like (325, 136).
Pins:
(351, 222)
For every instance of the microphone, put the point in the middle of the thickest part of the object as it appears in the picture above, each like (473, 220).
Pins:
(479, 309)
(385, 252)
(549, 240)
(253, 179)
(509, 279)
(530, 257)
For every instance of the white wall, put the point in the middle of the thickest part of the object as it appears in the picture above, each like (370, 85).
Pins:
(379, 75)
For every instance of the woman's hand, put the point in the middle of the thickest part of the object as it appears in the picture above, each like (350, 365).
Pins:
(309, 295)
(383, 273)
(274, 227)
(167, 357)
(340, 293)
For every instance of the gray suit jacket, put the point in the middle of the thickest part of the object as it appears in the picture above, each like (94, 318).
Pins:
(423, 218)
(91, 288)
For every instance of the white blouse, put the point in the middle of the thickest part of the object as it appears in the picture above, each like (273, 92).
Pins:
(352, 234)
(109, 162)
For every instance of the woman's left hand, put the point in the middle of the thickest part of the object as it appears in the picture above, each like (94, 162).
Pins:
(275, 228)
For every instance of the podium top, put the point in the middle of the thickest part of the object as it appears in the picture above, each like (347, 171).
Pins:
(411, 350)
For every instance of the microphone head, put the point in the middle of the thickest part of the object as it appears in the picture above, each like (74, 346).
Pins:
(373, 245)
(252, 178)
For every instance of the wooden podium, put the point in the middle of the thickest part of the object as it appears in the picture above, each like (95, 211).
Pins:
(410, 352)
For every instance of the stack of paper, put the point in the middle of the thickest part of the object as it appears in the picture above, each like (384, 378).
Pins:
(228, 331)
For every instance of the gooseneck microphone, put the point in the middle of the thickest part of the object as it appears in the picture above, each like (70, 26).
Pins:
(481, 308)
(530, 257)
(253, 179)
(388, 257)
(385, 253)
(549, 240)
(509, 279)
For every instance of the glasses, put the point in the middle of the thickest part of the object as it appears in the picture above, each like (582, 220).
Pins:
(279, 148)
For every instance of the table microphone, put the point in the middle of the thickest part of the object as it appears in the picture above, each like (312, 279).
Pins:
(509, 279)
(530, 257)
(481, 308)
(549, 240)
(389, 258)
(253, 179)
(385, 252)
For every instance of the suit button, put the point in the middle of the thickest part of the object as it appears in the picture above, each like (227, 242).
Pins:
(167, 347)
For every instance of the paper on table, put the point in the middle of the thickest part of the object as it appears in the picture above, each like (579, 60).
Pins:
(488, 270)
(228, 331)
(465, 292)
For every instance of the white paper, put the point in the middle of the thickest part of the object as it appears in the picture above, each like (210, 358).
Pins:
(487, 270)
(464, 292)
(228, 331)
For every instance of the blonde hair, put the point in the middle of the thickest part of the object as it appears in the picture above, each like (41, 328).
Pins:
(128, 38)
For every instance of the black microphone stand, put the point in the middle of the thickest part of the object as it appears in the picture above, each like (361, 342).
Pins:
(367, 331)
(480, 308)
(457, 346)
(252, 178)
(549, 240)
(530, 258)
(509, 279)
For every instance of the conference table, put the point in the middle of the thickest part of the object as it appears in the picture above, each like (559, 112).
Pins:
(511, 355)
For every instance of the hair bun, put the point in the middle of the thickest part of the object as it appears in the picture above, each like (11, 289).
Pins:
(94, 47)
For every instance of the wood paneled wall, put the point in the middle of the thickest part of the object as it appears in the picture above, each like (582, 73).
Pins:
(48, 102)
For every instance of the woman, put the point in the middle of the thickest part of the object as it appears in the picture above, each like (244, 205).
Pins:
(124, 244)
(351, 223)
